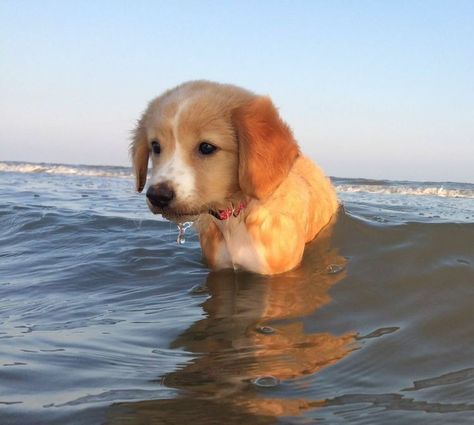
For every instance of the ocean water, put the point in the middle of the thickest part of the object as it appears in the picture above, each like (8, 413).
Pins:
(104, 319)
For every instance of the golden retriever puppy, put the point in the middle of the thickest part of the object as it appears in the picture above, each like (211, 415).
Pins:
(222, 157)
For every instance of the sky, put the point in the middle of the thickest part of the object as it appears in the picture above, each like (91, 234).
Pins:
(374, 89)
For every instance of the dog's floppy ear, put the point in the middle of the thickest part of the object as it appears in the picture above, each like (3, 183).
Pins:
(139, 151)
(267, 148)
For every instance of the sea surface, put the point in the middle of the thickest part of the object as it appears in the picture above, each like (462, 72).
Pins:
(105, 319)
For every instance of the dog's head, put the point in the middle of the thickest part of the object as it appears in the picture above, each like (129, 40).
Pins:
(210, 145)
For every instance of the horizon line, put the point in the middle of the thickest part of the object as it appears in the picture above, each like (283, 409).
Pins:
(330, 176)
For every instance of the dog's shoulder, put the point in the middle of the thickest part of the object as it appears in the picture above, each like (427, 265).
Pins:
(306, 195)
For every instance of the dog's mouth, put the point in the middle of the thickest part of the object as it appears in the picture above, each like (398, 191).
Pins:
(175, 215)
(179, 216)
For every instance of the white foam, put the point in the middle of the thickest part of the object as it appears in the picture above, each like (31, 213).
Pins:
(445, 190)
(77, 170)
(406, 190)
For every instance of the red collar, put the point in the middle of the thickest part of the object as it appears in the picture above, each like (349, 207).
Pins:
(228, 212)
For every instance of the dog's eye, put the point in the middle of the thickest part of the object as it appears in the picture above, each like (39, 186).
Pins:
(155, 147)
(206, 148)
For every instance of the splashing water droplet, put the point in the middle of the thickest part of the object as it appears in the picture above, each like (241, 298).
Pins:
(335, 268)
(199, 289)
(266, 381)
(182, 227)
(266, 330)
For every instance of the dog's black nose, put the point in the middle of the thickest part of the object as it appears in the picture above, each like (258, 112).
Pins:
(160, 195)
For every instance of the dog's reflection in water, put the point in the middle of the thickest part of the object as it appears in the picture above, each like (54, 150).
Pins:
(253, 329)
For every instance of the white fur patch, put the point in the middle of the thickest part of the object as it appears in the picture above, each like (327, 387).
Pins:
(176, 171)
(240, 250)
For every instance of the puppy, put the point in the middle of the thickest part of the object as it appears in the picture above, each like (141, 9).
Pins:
(222, 157)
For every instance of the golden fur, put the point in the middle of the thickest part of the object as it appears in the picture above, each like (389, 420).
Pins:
(288, 198)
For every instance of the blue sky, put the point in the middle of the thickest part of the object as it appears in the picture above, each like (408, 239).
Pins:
(377, 89)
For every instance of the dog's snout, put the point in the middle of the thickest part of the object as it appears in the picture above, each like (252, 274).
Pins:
(160, 195)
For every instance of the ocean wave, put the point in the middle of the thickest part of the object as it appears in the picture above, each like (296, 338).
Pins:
(342, 185)
(420, 190)
(62, 169)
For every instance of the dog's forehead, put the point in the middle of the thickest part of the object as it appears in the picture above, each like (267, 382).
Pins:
(177, 117)
(163, 108)
(159, 118)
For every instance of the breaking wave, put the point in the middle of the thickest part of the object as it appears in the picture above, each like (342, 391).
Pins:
(342, 185)
(63, 169)
(418, 190)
